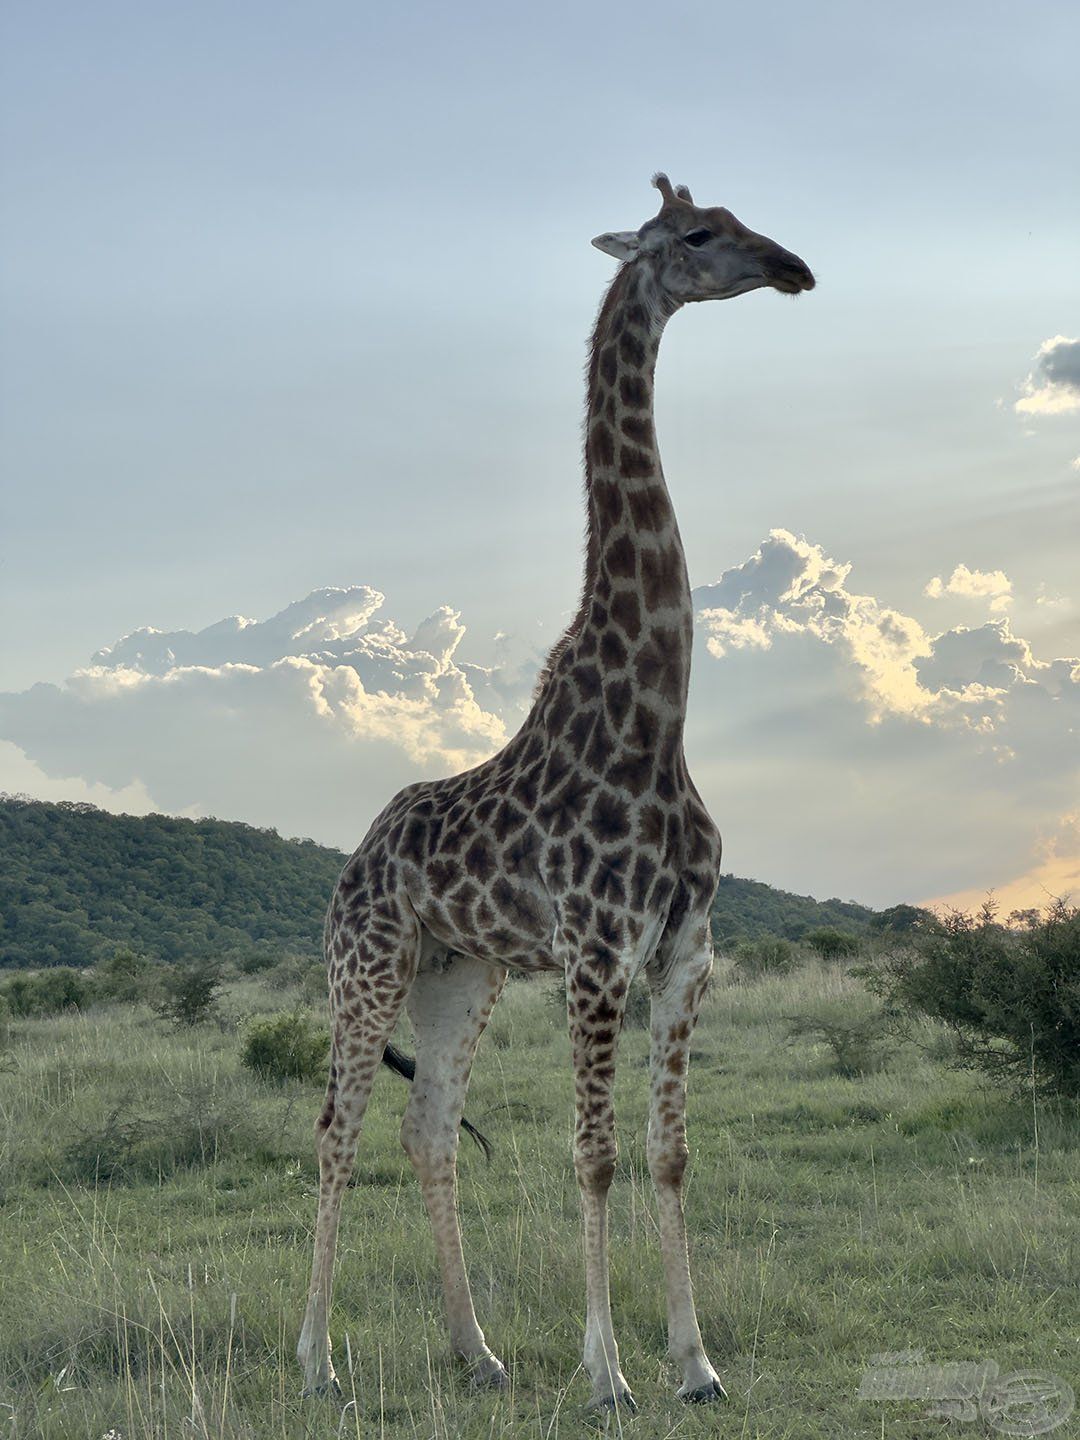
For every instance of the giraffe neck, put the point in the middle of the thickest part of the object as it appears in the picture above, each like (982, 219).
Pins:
(635, 563)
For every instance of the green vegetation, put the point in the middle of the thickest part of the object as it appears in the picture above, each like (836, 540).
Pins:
(750, 910)
(833, 944)
(1011, 998)
(287, 1047)
(190, 990)
(157, 1201)
(769, 956)
(77, 884)
(857, 1034)
(47, 993)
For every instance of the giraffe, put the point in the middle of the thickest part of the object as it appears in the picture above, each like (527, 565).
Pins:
(582, 847)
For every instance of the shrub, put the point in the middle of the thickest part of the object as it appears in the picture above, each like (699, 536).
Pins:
(254, 962)
(1011, 998)
(770, 956)
(858, 1042)
(190, 992)
(832, 944)
(291, 972)
(314, 986)
(104, 1152)
(124, 976)
(899, 919)
(48, 992)
(286, 1047)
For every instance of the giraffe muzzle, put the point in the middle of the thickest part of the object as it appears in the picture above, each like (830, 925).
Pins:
(789, 274)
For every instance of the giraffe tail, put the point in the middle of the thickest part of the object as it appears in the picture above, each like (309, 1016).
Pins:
(405, 1066)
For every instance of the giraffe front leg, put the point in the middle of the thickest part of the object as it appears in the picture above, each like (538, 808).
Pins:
(595, 1007)
(676, 999)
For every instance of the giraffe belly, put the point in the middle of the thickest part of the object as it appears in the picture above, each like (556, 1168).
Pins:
(519, 936)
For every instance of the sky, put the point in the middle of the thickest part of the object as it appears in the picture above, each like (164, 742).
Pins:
(295, 303)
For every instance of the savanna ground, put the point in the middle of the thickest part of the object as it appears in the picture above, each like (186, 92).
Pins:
(157, 1205)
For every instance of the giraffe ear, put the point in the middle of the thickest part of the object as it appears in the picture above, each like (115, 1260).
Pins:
(621, 244)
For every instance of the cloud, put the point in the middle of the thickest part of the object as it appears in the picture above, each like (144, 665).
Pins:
(266, 720)
(993, 585)
(1054, 875)
(790, 587)
(20, 776)
(1053, 386)
(836, 734)
(843, 748)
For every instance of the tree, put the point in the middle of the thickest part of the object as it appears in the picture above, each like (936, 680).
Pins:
(833, 944)
(190, 992)
(1011, 998)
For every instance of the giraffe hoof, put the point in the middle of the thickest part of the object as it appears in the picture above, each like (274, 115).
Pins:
(615, 1400)
(704, 1394)
(488, 1373)
(331, 1390)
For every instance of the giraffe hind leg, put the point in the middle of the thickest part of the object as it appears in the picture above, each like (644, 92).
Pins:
(371, 970)
(449, 1007)
(676, 999)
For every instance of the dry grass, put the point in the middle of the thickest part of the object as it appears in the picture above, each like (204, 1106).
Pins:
(158, 1203)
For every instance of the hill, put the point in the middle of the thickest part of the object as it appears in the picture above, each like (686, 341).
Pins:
(750, 910)
(77, 882)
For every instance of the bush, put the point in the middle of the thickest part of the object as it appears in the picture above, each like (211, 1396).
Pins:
(770, 956)
(49, 992)
(291, 972)
(254, 962)
(286, 1047)
(190, 992)
(124, 976)
(900, 919)
(1011, 998)
(858, 1042)
(832, 944)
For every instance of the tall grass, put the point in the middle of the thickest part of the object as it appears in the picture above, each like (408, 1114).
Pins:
(158, 1201)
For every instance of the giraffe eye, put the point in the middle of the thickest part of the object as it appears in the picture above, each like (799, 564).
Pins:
(697, 237)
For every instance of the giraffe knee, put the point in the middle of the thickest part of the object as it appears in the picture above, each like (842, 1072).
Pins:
(428, 1149)
(595, 1164)
(667, 1165)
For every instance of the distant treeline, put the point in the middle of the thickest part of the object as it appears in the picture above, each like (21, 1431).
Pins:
(76, 883)
(752, 910)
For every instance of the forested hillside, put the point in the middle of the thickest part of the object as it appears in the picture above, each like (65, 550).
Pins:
(77, 882)
(750, 910)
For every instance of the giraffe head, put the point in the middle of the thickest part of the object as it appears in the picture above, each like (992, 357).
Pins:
(698, 253)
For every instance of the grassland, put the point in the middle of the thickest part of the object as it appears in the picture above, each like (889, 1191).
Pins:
(156, 1206)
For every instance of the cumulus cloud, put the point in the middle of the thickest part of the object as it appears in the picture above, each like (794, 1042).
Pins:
(837, 733)
(265, 720)
(790, 587)
(992, 585)
(842, 747)
(20, 776)
(1053, 385)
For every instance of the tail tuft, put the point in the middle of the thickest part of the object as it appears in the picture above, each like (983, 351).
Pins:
(405, 1066)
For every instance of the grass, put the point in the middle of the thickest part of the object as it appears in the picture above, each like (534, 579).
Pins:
(157, 1202)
